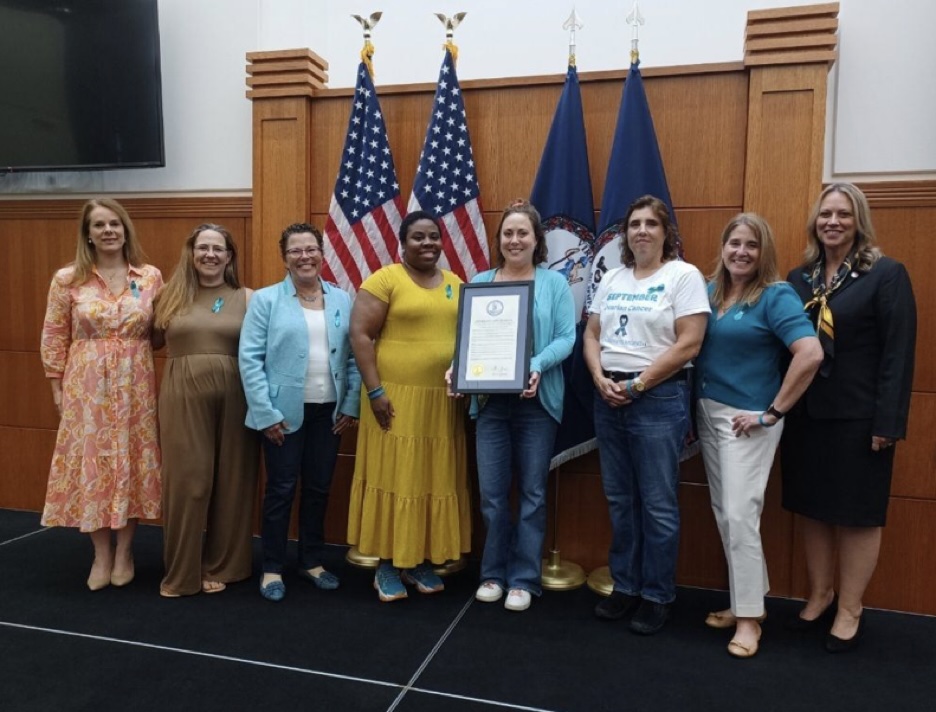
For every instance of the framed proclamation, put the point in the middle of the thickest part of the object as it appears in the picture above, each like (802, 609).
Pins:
(494, 340)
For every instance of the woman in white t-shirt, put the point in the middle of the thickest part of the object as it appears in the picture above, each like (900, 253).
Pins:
(645, 325)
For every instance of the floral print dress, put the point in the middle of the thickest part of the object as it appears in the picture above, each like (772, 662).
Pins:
(105, 468)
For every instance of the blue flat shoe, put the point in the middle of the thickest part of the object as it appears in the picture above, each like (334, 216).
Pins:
(273, 591)
(327, 581)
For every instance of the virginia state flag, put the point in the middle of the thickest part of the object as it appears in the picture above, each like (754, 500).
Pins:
(635, 169)
(562, 193)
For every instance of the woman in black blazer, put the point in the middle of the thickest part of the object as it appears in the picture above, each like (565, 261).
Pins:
(838, 447)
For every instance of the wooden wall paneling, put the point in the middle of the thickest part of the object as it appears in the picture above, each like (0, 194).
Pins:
(701, 230)
(701, 126)
(701, 557)
(33, 251)
(27, 453)
(281, 179)
(905, 579)
(905, 232)
(785, 150)
(26, 391)
(915, 458)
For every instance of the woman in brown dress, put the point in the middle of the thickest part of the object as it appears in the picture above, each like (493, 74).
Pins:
(209, 457)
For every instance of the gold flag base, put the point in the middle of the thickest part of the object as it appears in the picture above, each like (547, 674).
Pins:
(450, 567)
(600, 581)
(362, 561)
(559, 575)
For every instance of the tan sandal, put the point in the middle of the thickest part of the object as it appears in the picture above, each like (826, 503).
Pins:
(727, 619)
(212, 587)
(740, 650)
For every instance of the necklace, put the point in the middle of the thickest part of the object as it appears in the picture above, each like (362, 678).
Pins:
(311, 300)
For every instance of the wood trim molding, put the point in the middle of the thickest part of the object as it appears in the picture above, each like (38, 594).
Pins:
(792, 35)
(906, 194)
(285, 73)
(70, 208)
(545, 79)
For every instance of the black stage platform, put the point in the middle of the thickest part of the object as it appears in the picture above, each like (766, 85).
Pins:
(63, 647)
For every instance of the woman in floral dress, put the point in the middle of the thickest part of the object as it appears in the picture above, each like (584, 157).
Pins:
(97, 353)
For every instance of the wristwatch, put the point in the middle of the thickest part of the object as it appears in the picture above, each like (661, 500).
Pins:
(775, 413)
(637, 386)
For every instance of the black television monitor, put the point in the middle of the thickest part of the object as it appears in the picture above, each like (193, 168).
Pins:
(80, 85)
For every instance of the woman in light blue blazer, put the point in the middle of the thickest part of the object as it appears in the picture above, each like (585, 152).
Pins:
(303, 390)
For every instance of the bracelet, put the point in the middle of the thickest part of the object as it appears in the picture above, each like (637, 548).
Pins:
(760, 419)
(376, 393)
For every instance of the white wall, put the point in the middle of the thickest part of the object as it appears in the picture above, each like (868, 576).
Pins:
(881, 89)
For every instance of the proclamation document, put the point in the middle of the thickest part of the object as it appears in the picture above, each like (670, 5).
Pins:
(494, 338)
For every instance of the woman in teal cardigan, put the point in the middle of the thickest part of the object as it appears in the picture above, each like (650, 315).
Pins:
(516, 434)
(303, 390)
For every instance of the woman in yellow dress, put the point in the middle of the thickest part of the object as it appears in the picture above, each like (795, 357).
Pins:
(409, 496)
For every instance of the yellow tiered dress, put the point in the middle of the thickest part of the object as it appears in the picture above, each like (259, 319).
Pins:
(409, 495)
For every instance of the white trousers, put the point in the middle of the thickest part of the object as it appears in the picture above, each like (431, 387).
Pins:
(737, 469)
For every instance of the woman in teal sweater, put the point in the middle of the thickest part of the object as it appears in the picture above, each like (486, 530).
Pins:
(515, 434)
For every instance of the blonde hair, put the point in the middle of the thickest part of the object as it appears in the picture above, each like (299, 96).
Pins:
(865, 237)
(85, 254)
(767, 272)
(177, 296)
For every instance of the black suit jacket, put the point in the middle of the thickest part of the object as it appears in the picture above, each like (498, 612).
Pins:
(874, 315)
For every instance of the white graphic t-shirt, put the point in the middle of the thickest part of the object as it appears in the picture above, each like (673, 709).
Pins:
(638, 316)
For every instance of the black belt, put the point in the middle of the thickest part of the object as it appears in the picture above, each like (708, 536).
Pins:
(619, 376)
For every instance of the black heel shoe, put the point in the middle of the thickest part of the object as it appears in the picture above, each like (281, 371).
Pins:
(834, 644)
(799, 624)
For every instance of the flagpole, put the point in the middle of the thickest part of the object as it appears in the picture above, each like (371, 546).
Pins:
(354, 555)
(600, 580)
(559, 575)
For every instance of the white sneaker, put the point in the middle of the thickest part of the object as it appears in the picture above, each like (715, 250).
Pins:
(517, 600)
(489, 591)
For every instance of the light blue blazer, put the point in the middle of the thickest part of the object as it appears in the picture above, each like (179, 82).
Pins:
(273, 356)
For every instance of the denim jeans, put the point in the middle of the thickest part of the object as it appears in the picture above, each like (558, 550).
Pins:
(307, 456)
(639, 447)
(514, 435)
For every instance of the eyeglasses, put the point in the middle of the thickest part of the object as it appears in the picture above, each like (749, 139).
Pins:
(207, 249)
(302, 251)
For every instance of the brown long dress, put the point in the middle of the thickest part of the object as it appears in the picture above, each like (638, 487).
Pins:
(209, 457)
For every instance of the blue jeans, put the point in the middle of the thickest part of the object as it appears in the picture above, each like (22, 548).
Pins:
(307, 456)
(639, 447)
(514, 434)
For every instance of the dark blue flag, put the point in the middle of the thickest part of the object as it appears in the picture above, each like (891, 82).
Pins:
(562, 193)
(634, 169)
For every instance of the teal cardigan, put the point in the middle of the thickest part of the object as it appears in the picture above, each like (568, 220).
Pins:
(273, 356)
(553, 336)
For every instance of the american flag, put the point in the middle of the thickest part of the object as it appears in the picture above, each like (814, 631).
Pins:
(365, 211)
(446, 185)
